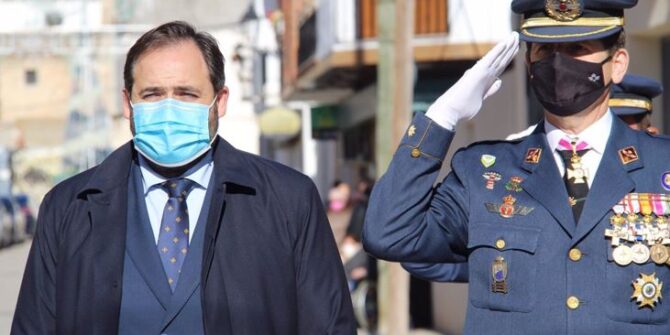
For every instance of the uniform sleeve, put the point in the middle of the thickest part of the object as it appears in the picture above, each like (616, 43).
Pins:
(409, 220)
(324, 302)
(35, 310)
(440, 272)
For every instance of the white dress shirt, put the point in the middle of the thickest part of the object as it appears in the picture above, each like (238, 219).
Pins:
(156, 197)
(596, 135)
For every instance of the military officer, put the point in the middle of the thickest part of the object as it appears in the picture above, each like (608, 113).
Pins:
(631, 100)
(564, 231)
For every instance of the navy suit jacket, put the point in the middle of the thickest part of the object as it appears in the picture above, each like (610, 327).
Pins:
(548, 290)
(270, 264)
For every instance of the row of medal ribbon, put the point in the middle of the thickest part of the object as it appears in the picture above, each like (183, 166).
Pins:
(639, 229)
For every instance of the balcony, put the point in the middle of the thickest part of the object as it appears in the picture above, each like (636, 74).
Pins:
(333, 50)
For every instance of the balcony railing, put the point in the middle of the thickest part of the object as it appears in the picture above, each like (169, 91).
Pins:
(430, 17)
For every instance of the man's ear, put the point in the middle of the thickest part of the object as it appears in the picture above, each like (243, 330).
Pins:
(125, 97)
(620, 60)
(222, 101)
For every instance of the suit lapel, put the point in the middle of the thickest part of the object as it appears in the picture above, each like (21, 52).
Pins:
(612, 181)
(106, 193)
(543, 175)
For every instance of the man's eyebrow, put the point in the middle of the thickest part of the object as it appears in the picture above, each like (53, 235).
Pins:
(187, 89)
(151, 89)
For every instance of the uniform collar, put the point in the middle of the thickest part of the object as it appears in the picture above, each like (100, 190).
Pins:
(596, 135)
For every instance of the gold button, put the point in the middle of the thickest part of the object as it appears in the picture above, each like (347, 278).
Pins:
(416, 152)
(575, 255)
(572, 302)
(500, 244)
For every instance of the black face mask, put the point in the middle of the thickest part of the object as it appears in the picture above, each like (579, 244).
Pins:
(564, 85)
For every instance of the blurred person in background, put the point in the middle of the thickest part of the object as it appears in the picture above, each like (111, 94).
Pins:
(339, 209)
(631, 100)
(178, 232)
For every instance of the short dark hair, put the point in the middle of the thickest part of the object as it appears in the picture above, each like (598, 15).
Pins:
(611, 43)
(175, 32)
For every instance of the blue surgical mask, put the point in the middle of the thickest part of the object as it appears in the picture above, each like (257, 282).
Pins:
(170, 132)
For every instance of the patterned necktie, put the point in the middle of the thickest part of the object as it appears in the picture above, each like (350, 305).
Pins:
(576, 175)
(173, 237)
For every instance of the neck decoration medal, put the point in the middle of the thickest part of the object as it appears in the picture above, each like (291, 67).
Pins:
(499, 274)
(576, 171)
(647, 290)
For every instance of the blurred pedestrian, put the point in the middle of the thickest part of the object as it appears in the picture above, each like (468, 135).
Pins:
(631, 100)
(339, 209)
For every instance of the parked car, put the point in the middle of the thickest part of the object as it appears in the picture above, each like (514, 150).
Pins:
(18, 220)
(6, 227)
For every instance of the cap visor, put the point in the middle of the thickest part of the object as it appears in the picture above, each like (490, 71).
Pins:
(621, 111)
(562, 34)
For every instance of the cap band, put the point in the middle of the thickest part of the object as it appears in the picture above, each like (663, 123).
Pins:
(580, 22)
(637, 103)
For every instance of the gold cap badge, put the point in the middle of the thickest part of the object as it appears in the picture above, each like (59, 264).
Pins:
(563, 10)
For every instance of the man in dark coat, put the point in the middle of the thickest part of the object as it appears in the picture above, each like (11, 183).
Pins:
(117, 250)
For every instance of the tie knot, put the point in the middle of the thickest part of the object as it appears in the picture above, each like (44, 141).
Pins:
(178, 187)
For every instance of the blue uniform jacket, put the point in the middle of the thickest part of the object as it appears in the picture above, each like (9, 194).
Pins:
(270, 264)
(410, 220)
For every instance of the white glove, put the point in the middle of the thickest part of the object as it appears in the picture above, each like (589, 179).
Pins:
(464, 99)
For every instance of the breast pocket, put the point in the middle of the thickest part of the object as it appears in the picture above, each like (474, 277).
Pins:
(621, 280)
(503, 267)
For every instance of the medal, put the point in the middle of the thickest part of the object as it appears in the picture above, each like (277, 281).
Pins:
(499, 274)
(640, 253)
(577, 172)
(514, 184)
(659, 254)
(491, 179)
(668, 261)
(647, 290)
(507, 209)
(622, 255)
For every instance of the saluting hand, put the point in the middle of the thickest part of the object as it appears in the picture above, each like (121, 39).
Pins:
(464, 99)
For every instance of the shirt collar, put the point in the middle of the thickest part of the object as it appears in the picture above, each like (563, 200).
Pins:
(596, 135)
(199, 173)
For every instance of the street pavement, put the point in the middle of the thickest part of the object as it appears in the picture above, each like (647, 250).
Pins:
(12, 263)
